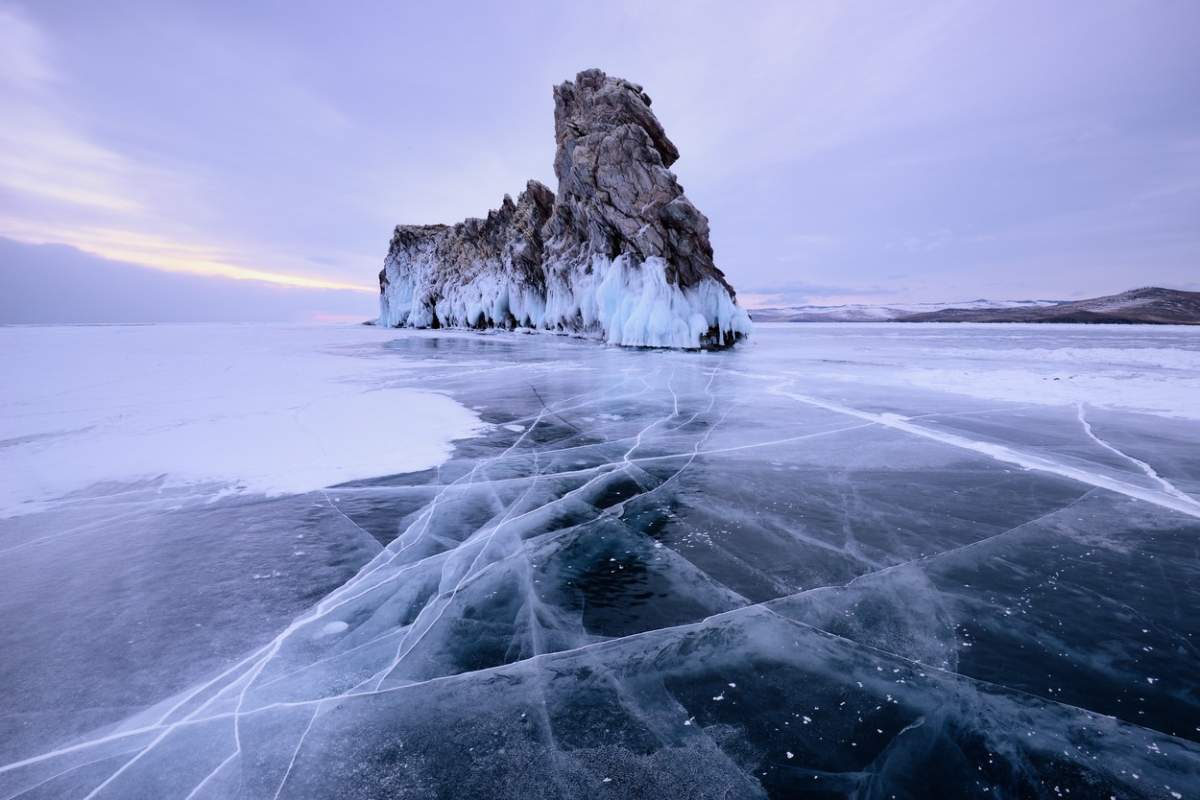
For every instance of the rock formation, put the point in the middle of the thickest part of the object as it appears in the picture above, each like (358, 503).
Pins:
(619, 253)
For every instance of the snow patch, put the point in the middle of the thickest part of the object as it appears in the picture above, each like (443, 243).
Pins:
(259, 409)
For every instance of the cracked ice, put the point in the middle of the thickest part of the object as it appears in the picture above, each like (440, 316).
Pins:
(835, 561)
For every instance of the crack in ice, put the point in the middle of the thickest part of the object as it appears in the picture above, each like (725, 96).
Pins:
(1009, 455)
(1148, 470)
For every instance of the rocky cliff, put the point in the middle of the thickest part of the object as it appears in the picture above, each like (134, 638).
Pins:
(618, 253)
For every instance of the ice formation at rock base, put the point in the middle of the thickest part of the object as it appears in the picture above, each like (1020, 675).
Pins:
(617, 301)
(619, 254)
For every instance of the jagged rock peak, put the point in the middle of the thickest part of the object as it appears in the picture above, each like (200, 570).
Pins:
(596, 103)
(614, 189)
(618, 253)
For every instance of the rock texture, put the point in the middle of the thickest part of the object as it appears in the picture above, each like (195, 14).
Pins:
(429, 265)
(618, 253)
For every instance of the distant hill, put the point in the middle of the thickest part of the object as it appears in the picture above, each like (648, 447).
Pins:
(1149, 305)
(863, 312)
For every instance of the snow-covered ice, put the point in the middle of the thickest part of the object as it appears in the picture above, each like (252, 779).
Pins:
(840, 560)
(253, 408)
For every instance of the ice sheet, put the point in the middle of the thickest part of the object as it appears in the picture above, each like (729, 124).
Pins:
(1140, 368)
(259, 409)
(783, 570)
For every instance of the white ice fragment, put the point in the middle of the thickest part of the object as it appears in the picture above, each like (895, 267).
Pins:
(332, 628)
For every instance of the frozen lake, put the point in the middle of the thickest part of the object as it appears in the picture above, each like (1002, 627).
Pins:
(842, 560)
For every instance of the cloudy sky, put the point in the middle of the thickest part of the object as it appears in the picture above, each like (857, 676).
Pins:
(842, 151)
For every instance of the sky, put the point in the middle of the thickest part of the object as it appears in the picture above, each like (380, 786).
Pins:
(243, 160)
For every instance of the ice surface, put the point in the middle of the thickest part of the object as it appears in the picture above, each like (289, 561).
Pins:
(790, 569)
(268, 409)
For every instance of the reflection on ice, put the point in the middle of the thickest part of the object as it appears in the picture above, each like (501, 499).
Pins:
(745, 574)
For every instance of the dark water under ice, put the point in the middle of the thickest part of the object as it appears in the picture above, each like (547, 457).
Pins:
(785, 570)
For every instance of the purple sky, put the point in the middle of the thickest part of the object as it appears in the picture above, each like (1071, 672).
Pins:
(856, 152)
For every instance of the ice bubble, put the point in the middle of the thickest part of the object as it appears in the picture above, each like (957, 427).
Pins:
(333, 628)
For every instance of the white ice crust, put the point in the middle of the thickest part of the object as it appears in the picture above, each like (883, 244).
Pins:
(620, 301)
(273, 409)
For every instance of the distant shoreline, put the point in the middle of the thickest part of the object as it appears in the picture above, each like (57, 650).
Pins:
(1145, 306)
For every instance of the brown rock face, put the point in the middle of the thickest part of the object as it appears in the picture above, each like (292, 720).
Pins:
(615, 193)
(618, 253)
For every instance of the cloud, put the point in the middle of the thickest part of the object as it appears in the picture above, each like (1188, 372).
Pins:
(799, 293)
(57, 284)
(61, 186)
(152, 251)
(985, 143)
(925, 243)
(39, 154)
(23, 60)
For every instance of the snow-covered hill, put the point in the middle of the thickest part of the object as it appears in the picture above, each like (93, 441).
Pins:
(1149, 304)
